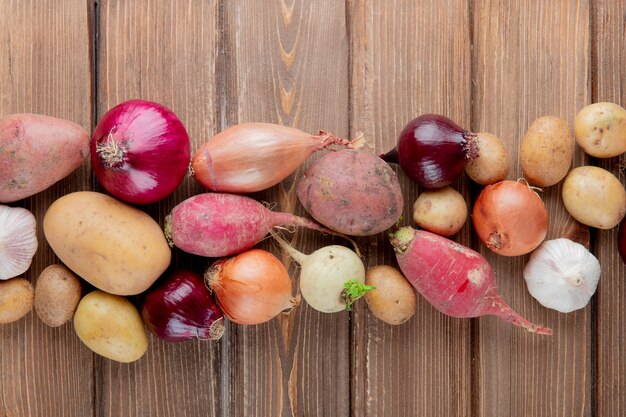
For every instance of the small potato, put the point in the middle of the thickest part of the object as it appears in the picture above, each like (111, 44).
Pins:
(394, 300)
(16, 299)
(594, 197)
(57, 294)
(547, 150)
(111, 326)
(493, 162)
(600, 129)
(441, 211)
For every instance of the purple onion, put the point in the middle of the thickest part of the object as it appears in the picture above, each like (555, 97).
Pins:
(182, 308)
(433, 150)
(140, 151)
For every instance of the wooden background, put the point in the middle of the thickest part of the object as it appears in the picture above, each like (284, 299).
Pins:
(341, 66)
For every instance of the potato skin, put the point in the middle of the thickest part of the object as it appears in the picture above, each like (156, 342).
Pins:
(57, 294)
(594, 197)
(547, 150)
(117, 248)
(351, 192)
(394, 300)
(111, 326)
(442, 211)
(600, 129)
(16, 299)
(36, 151)
(492, 163)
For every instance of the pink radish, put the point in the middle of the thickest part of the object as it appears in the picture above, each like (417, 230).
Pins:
(217, 224)
(456, 280)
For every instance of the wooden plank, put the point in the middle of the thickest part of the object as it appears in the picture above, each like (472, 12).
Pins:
(287, 63)
(531, 59)
(609, 84)
(164, 52)
(409, 58)
(43, 370)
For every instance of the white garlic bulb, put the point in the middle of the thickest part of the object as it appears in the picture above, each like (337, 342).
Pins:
(18, 240)
(562, 275)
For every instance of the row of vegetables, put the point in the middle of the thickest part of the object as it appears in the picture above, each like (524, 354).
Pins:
(140, 153)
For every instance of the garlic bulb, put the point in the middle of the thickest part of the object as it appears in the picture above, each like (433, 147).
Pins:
(18, 240)
(562, 275)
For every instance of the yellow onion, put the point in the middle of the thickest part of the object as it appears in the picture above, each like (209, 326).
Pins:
(252, 287)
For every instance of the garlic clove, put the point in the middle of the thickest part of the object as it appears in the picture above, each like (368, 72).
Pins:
(562, 275)
(18, 241)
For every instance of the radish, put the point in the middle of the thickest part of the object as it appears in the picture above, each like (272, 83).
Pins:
(331, 278)
(456, 280)
(218, 224)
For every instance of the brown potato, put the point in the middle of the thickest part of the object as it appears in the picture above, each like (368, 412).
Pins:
(111, 326)
(547, 150)
(441, 211)
(600, 129)
(594, 197)
(57, 294)
(16, 299)
(493, 162)
(394, 300)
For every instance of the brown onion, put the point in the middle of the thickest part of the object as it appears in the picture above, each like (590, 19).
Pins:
(252, 287)
(510, 218)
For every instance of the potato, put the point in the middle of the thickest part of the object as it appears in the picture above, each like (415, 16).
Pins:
(111, 326)
(594, 197)
(441, 211)
(36, 151)
(600, 129)
(547, 150)
(394, 300)
(351, 192)
(16, 299)
(57, 294)
(493, 162)
(117, 248)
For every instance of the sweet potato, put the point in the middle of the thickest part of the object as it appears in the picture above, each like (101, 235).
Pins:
(36, 151)
(351, 192)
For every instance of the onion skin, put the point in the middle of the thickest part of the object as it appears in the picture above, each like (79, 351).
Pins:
(252, 157)
(433, 150)
(510, 218)
(182, 308)
(140, 151)
(252, 287)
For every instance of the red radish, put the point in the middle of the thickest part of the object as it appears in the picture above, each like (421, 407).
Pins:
(216, 224)
(456, 280)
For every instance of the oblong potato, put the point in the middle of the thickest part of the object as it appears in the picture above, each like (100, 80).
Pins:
(594, 197)
(111, 326)
(547, 150)
(117, 248)
(394, 299)
(36, 151)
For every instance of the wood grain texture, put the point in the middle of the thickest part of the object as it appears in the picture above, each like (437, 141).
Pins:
(45, 371)
(609, 84)
(409, 58)
(288, 64)
(531, 59)
(164, 52)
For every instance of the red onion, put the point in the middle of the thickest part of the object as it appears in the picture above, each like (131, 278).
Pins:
(621, 240)
(140, 151)
(433, 151)
(182, 308)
